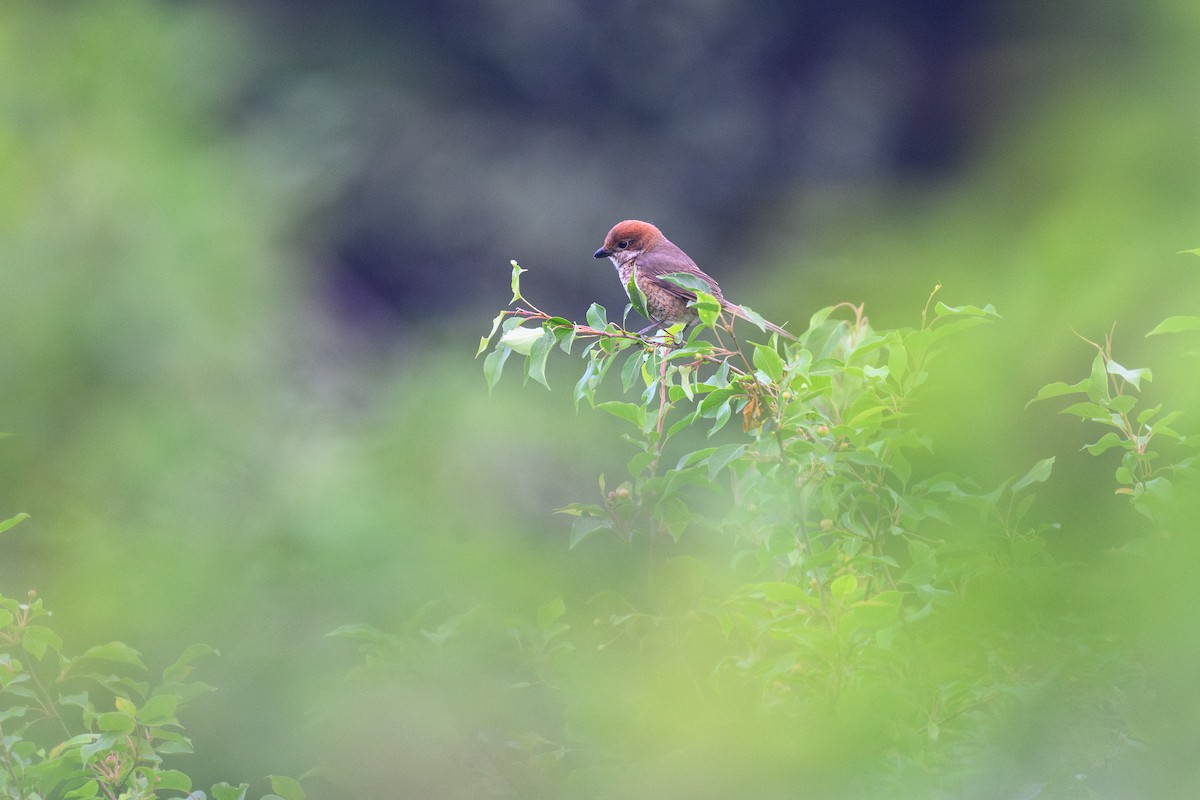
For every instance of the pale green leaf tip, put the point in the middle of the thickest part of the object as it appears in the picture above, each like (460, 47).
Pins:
(516, 280)
(14, 520)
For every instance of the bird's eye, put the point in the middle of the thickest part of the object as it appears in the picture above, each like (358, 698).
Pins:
(623, 244)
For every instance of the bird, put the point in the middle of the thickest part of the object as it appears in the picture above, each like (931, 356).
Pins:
(636, 245)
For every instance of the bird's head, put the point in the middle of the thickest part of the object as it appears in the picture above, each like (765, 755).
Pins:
(628, 240)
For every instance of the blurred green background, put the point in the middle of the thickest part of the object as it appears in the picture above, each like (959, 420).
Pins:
(247, 251)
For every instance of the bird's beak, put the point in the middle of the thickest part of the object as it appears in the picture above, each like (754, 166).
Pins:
(602, 253)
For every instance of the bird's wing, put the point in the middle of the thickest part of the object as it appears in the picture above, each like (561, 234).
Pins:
(659, 261)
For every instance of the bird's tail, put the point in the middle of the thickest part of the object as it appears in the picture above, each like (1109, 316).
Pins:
(738, 311)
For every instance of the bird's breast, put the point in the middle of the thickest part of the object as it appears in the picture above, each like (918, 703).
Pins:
(625, 271)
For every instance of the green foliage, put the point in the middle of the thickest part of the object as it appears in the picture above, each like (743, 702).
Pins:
(805, 573)
(93, 725)
(1109, 397)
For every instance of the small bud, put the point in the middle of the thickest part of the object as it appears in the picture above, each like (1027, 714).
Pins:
(827, 524)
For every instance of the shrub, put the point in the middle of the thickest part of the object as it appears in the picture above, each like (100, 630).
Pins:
(94, 725)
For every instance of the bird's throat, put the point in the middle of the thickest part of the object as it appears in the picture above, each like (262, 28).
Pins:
(625, 270)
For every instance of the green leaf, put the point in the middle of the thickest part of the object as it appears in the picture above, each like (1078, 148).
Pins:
(1195, 252)
(516, 290)
(897, 360)
(522, 339)
(841, 588)
(485, 340)
(597, 317)
(224, 791)
(1058, 390)
(360, 631)
(922, 340)
(688, 280)
(177, 672)
(1091, 411)
(578, 509)
(754, 318)
(98, 744)
(784, 593)
(159, 710)
(79, 700)
(714, 399)
(493, 365)
(637, 298)
(582, 527)
(1167, 419)
(682, 423)
(631, 369)
(875, 373)
(171, 743)
(708, 307)
(722, 456)
(674, 516)
(115, 722)
(1177, 324)
(723, 413)
(585, 387)
(88, 790)
(1123, 403)
(173, 780)
(285, 787)
(115, 651)
(36, 639)
(1133, 376)
(694, 458)
(14, 520)
(767, 360)
(685, 382)
(1039, 473)
(1146, 414)
(864, 415)
(1097, 388)
(943, 310)
(882, 609)
(819, 316)
(1105, 442)
(650, 377)
(538, 356)
(626, 411)
(549, 613)
(639, 462)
